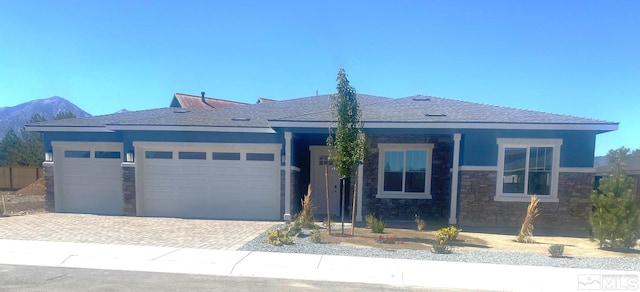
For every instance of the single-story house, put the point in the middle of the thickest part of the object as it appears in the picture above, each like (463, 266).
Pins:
(466, 163)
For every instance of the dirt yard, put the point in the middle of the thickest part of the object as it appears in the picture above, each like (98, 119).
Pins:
(29, 200)
(413, 239)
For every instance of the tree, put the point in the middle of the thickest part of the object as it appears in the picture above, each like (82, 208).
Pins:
(64, 115)
(346, 143)
(615, 219)
(8, 147)
(31, 151)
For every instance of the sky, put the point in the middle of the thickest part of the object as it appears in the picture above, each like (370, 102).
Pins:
(579, 58)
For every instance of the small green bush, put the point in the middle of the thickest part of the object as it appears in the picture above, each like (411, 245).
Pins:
(440, 247)
(443, 237)
(377, 226)
(370, 218)
(279, 237)
(315, 236)
(447, 234)
(556, 250)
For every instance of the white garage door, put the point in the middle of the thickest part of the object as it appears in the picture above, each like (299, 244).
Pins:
(214, 181)
(87, 178)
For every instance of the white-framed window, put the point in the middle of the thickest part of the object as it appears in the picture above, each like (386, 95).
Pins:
(404, 171)
(528, 167)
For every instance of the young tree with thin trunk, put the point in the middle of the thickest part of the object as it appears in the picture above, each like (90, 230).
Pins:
(345, 142)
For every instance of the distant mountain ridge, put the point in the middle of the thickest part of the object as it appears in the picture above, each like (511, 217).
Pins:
(15, 117)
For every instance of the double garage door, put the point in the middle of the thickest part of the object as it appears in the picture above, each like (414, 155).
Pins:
(87, 177)
(217, 181)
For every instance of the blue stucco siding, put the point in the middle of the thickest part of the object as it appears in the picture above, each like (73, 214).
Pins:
(79, 137)
(480, 148)
(199, 137)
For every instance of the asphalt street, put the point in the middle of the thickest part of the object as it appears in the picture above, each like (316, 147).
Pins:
(32, 278)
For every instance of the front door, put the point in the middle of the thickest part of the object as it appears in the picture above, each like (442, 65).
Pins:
(320, 159)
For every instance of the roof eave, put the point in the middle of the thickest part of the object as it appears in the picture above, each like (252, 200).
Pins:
(602, 127)
(67, 129)
(191, 128)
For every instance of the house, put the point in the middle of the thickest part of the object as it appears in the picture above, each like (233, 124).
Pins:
(466, 163)
(192, 101)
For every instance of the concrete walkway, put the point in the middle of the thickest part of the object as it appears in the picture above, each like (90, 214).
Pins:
(412, 273)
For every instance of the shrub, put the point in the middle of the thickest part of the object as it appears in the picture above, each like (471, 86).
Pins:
(377, 226)
(442, 248)
(370, 218)
(447, 234)
(388, 239)
(419, 223)
(615, 219)
(556, 250)
(315, 236)
(443, 237)
(305, 218)
(279, 237)
(526, 231)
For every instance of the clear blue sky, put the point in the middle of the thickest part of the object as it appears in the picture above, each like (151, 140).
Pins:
(579, 58)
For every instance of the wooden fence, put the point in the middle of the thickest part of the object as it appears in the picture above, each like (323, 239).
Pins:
(15, 178)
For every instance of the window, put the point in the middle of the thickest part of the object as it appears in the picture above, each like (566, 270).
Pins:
(260, 157)
(77, 154)
(225, 156)
(107, 154)
(158, 154)
(528, 167)
(404, 171)
(192, 155)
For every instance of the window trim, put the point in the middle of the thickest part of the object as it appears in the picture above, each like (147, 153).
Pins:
(382, 147)
(504, 143)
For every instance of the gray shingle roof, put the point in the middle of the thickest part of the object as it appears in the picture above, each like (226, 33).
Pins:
(424, 109)
(421, 108)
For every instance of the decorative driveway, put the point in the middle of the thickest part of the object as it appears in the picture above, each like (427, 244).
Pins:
(150, 231)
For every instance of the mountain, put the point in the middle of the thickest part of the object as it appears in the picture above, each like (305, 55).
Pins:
(15, 117)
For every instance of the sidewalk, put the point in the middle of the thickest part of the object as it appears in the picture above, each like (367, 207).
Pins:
(412, 273)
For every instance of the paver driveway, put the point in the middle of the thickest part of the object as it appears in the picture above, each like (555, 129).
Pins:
(169, 232)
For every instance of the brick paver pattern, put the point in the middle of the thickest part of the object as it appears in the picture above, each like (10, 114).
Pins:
(166, 232)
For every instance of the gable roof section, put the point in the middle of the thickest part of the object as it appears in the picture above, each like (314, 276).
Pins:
(434, 112)
(193, 101)
(314, 111)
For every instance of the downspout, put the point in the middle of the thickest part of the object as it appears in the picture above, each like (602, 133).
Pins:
(287, 177)
(453, 212)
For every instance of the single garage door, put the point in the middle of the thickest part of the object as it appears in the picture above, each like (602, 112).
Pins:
(214, 182)
(88, 178)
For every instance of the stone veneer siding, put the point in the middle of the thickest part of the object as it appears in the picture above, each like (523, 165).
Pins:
(49, 187)
(295, 192)
(129, 188)
(477, 206)
(405, 209)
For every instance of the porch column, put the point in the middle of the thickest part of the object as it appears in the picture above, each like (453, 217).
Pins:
(454, 179)
(360, 195)
(287, 177)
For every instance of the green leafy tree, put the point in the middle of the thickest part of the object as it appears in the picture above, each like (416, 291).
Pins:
(615, 219)
(346, 143)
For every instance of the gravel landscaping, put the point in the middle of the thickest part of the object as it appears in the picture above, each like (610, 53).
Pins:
(304, 245)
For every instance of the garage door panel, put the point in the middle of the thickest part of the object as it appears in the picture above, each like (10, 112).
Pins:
(219, 189)
(89, 184)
